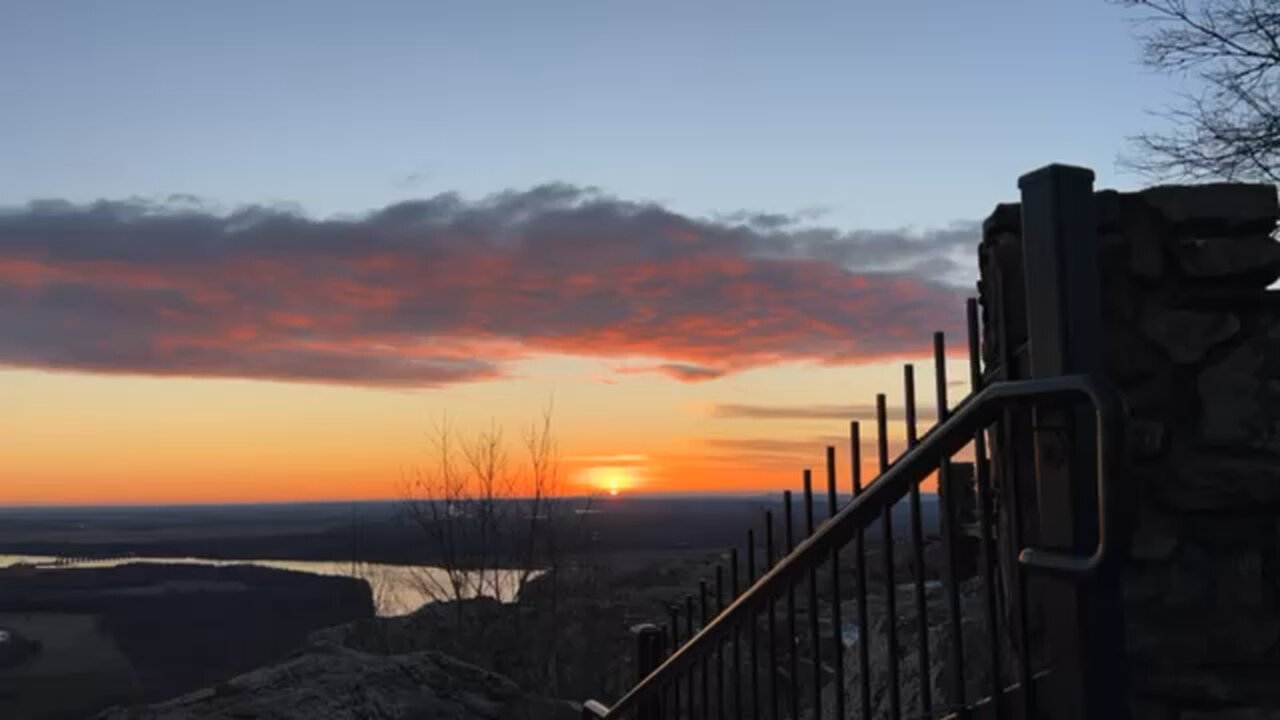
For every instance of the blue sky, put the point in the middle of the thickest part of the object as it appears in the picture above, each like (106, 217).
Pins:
(886, 114)
(265, 357)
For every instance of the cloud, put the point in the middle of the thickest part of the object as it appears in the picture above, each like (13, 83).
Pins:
(685, 372)
(445, 290)
(862, 412)
(774, 446)
(790, 454)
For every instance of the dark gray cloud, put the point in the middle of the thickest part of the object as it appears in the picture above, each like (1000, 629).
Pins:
(445, 289)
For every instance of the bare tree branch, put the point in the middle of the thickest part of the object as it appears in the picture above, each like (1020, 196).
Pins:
(1231, 129)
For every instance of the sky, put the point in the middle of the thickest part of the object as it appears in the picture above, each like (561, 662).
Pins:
(261, 251)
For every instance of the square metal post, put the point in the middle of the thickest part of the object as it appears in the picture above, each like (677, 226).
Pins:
(1083, 618)
(648, 655)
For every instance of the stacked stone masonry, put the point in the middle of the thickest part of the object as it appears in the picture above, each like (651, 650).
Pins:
(1192, 340)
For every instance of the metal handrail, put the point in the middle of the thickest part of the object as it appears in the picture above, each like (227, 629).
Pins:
(940, 442)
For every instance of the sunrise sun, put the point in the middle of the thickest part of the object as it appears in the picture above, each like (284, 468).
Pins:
(612, 479)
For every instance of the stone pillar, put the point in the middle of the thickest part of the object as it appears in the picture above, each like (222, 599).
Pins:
(1192, 340)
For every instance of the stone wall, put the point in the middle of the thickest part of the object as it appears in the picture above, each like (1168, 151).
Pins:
(1192, 339)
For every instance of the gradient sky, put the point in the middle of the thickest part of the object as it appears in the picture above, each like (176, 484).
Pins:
(255, 250)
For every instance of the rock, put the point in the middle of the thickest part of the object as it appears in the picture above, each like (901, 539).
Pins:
(16, 649)
(1238, 581)
(566, 638)
(1193, 636)
(1230, 534)
(1144, 234)
(169, 629)
(1155, 536)
(1199, 481)
(1006, 217)
(1148, 708)
(1215, 688)
(1186, 335)
(976, 649)
(1230, 399)
(1233, 713)
(1154, 396)
(1146, 258)
(330, 682)
(1254, 257)
(1111, 209)
(1234, 204)
(1177, 582)
(1146, 437)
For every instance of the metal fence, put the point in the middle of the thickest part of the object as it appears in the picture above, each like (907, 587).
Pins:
(750, 650)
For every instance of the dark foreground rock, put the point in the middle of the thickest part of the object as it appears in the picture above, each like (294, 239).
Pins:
(141, 633)
(325, 681)
(567, 637)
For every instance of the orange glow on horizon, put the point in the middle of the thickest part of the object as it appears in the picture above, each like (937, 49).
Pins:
(78, 438)
(611, 479)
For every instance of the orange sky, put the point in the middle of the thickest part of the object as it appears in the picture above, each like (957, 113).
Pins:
(159, 353)
(91, 438)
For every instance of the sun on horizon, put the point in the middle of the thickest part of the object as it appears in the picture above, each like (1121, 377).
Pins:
(613, 480)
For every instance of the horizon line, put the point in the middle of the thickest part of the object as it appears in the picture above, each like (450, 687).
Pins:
(692, 494)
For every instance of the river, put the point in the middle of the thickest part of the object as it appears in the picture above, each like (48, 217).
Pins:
(397, 589)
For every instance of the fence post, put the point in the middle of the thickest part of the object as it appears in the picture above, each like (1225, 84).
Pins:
(1082, 624)
(648, 655)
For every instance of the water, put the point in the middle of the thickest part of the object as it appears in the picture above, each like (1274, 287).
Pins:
(397, 589)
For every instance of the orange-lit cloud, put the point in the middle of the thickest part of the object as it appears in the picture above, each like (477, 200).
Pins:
(444, 290)
(863, 412)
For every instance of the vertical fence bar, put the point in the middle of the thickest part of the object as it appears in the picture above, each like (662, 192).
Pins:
(793, 686)
(982, 481)
(774, 707)
(736, 662)
(670, 710)
(719, 646)
(1021, 613)
(886, 553)
(645, 662)
(917, 550)
(1011, 501)
(837, 624)
(688, 621)
(753, 643)
(674, 612)
(860, 578)
(660, 655)
(706, 667)
(640, 653)
(814, 638)
(950, 529)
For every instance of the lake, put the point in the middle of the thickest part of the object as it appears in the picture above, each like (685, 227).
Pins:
(397, 589)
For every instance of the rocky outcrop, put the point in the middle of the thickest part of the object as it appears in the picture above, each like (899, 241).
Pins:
(567, 637)
(325, 681)
(1191, 339)
(976, 646)
(478, 658)
(156, 631)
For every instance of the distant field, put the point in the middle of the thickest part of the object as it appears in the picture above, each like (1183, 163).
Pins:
(79, 669)
(375, 531)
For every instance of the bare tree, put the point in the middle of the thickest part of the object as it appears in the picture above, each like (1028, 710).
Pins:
(1230, 128)
(493, 525)
(496, 526)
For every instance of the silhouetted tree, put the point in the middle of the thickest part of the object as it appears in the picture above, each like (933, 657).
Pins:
(495, 526)
(1230, 128)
